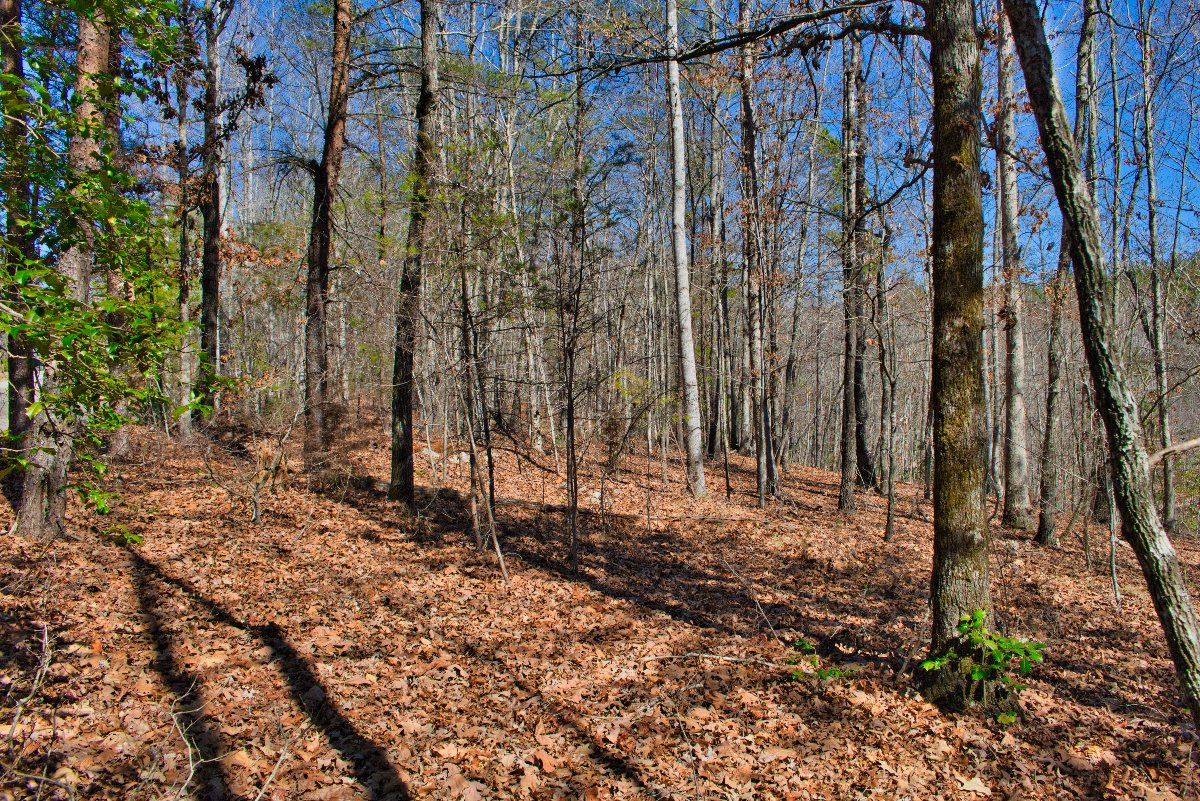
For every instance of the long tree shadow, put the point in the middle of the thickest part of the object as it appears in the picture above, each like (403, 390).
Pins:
(369, 762)
(188, 708)
(703, 588)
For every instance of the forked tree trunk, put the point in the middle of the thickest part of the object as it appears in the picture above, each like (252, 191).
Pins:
(320, 246)
(1133, 492)
(401, 486)
(43, 495)
(960, 544)
(683, 291)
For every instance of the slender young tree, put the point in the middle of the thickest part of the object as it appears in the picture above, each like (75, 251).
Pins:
(752, 264)
(1017, 511)
(1085, 121)
(851, 56)
(401, 486)
(1133, 493)
(679, 245)
(320, 244)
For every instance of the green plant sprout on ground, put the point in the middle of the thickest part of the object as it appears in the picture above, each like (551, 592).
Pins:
(808, 656)
(989, 662)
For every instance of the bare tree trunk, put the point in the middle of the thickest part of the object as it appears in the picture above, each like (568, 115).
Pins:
(215, 16)
(851, 53)
(683, 292)
(1154, 321)
(1047, 533)
(867, 476)
(1017, 511)
(960, 545)
(117, 446)
(1130, 468)
(402, 487)
(43, 496)
(751, 219)
(320, 246)
(184, 211)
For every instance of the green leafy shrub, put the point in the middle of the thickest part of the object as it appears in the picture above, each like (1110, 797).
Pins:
(988, 658)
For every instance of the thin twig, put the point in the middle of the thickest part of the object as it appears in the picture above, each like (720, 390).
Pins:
(719, 657)
(753, 597)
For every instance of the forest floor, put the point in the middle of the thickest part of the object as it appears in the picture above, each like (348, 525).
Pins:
(339, 649)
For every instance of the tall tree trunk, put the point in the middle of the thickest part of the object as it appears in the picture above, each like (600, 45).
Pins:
(851, 54)
(401, 486)
(118, 288)
(43, 496)
(1017, 512)
(18, 201)
(1154, 320)
(320, 246)
(683, 291)
(864, 461)
(1130, 468)
(1085, 73)
(960, 536)
(183, 211)
(752, 258)
(211, 208)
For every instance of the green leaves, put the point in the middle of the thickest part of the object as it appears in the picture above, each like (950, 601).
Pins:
(987, 655)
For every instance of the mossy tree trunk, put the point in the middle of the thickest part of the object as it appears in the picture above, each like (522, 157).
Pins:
(960, 549)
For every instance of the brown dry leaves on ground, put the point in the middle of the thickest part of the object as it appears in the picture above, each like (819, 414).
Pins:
(339, 649)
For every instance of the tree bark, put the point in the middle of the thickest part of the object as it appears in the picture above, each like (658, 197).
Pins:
(1130, 468)
(320, 246)
(1017, 511)
(1154, 321)
(683, 292)
(851, 54)
(211, 208)
(752, 264)
(960, 547)
(1047, 532)
(402, 487)
(867, 476)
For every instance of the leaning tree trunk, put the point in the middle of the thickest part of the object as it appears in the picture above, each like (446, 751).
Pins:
(683, 291)
(320, 246)
(402, 486)
(1133, 492)
(1017, 511)
(43, 495)
(960, 536)
(20, 243)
